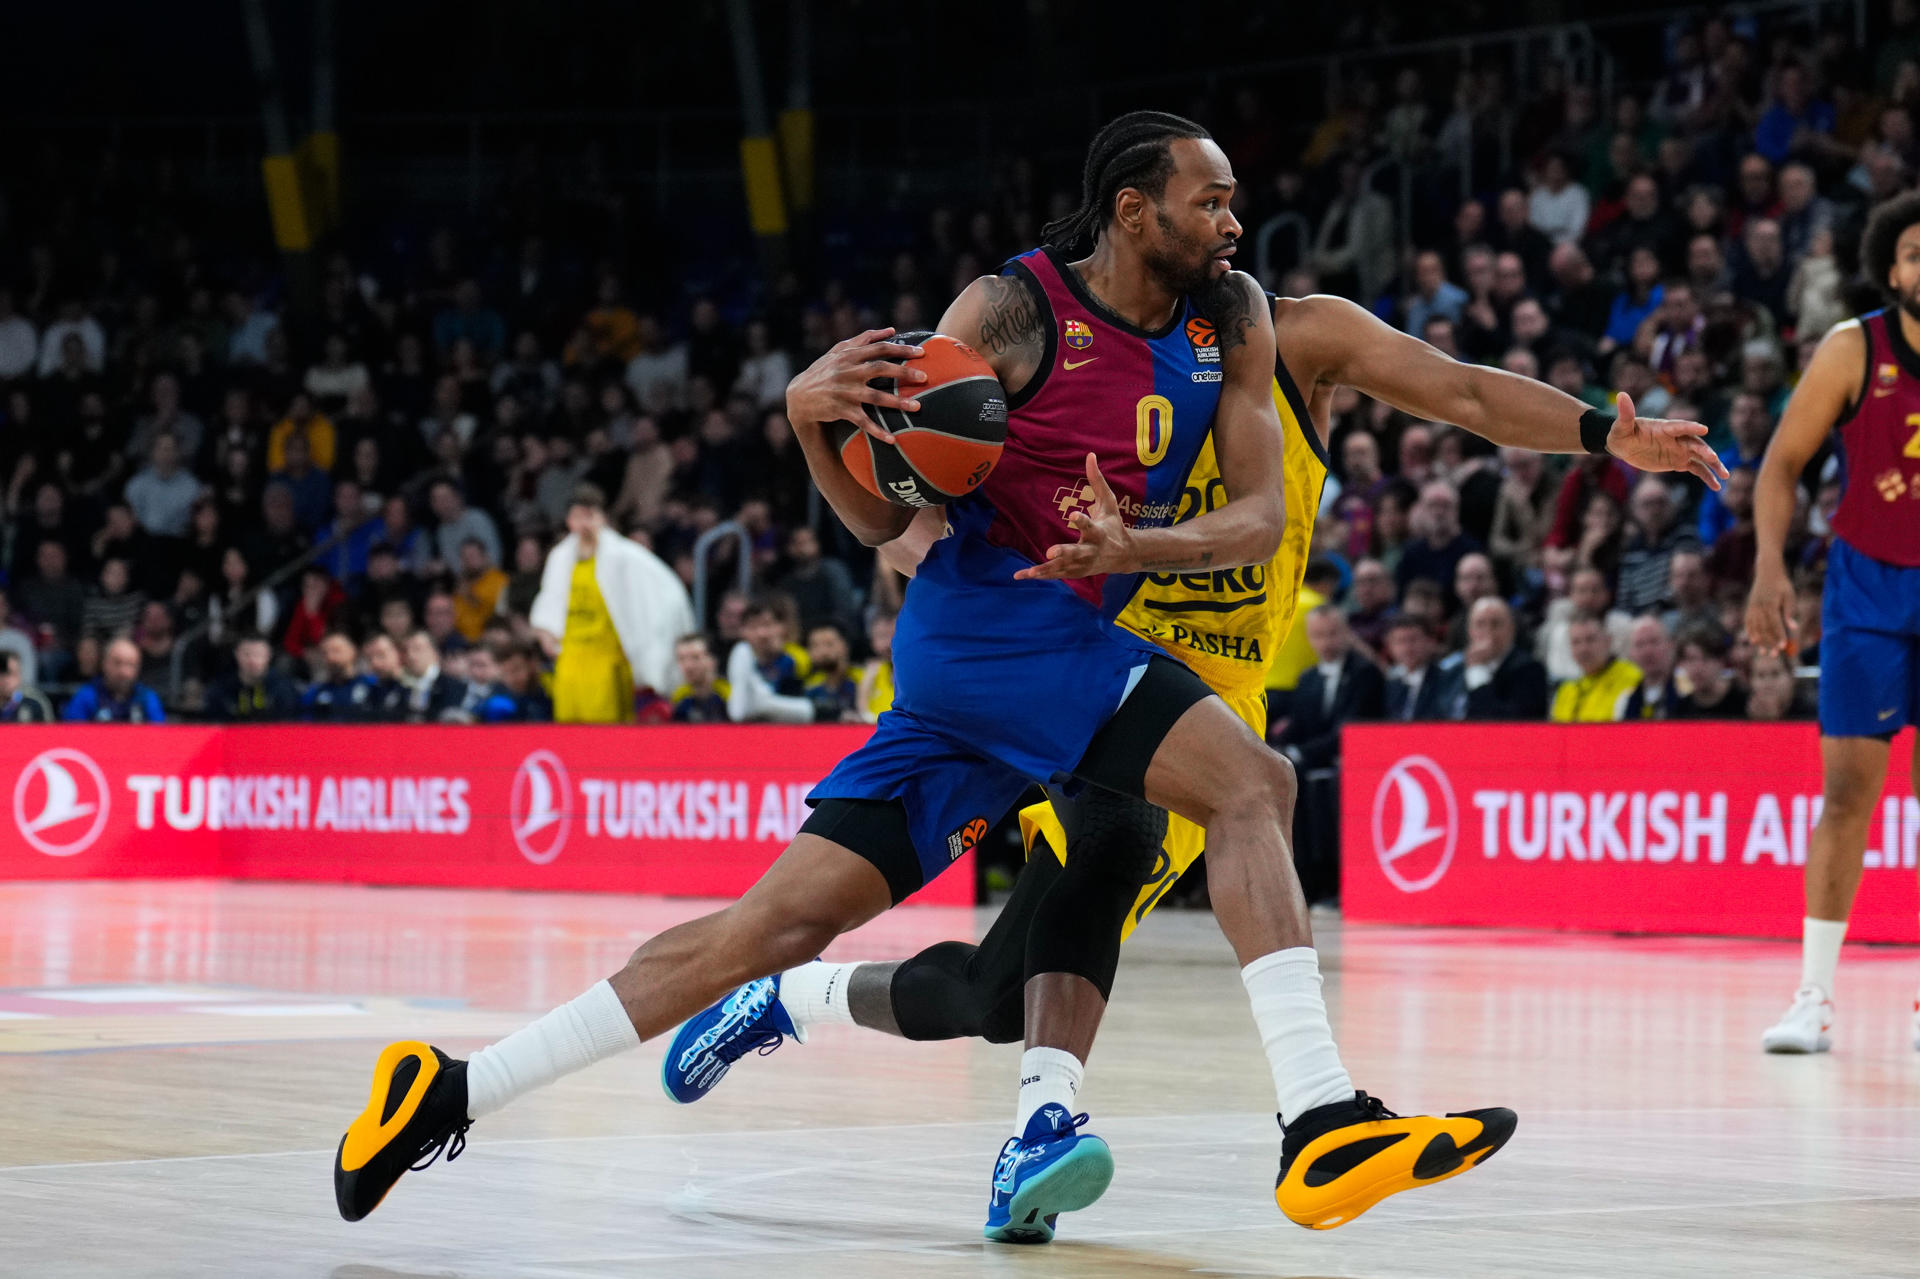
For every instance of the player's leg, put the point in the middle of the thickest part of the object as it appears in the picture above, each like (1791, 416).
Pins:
(1853, 770)
(1913, 776)
(1343, 1151)
(423, 1101)
(1867, 681)
(950, 990)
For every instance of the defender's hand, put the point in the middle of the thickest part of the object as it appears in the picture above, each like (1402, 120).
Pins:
(1655, 444)
(1105, 545)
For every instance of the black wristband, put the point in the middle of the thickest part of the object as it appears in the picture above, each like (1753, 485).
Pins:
(1595, 426)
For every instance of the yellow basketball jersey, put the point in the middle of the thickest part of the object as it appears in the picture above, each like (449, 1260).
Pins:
(1228, 624)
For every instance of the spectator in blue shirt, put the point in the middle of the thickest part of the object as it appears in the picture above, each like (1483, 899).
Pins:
(1433, 294)
(1793, 110)
(350, 536)
(517, 697)
(1633, 304)
(117, 696)
(341, 695)
(1752, 427)
(468, 318)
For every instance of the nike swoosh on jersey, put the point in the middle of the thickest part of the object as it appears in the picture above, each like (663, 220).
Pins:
(1071, 364)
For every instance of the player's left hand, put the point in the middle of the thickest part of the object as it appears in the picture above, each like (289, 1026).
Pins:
(1105, 545)
(1656, 444)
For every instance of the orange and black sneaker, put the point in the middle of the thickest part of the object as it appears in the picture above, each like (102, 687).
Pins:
(1341, 1159)
(418, 1108)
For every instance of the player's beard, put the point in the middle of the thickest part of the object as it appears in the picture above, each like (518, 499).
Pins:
(1910, 303)
(1182, 263)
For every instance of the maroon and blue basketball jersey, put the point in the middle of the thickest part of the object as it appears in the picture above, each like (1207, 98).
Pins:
(1142, 401)
(1870, 608)
(1879, 448)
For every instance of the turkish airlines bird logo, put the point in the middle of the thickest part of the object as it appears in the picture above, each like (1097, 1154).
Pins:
(539, 810)
(1415, 824)
(60, 802)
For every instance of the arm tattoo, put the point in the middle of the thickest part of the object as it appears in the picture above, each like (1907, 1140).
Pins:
(1229, 304)
(1203, 559)
(1011, 322)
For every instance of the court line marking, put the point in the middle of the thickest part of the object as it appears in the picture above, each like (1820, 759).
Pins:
(761, 1134)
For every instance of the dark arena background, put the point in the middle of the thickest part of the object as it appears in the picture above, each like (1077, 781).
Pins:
(414, 597)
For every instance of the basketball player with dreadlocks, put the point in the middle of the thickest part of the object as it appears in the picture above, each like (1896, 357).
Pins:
(1861, 389)
(1009, 670)
(1112, 857)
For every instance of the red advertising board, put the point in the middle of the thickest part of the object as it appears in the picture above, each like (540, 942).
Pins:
(670, 810)
(1644, 828)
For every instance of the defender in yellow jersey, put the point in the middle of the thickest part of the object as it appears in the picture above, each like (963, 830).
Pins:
(1226, 624)
(1339, 1158)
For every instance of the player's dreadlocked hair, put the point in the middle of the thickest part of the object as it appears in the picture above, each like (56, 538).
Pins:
(1132, 151)
(1883, 232)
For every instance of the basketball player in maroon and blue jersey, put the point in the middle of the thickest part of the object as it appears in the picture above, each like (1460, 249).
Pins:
(1862, 389)
(1010, 670)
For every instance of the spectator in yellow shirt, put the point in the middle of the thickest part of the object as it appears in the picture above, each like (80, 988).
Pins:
(1605, 681)
(1295, 657)
(876, 683)
(476, 597)
(301, 419)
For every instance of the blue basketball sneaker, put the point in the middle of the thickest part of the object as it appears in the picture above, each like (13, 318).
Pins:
(706, 1046)
(1048, 1170)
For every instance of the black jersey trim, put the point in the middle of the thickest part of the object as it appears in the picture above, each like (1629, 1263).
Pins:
(1203, 606)
(1298, 402)
(1015, 269)
(1078, 287)
(1903, 351)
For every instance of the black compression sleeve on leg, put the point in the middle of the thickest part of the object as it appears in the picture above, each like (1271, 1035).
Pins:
(956, 991)
(1113, 848)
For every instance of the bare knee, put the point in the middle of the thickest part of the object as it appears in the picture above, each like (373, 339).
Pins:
(1266, 793)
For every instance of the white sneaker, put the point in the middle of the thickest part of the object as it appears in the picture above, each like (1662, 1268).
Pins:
(1804, 1028)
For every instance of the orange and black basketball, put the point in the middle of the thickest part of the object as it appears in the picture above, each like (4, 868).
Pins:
(943, 450)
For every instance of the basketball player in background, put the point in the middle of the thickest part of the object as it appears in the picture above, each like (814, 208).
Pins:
(1121, 854)
(1862, 384)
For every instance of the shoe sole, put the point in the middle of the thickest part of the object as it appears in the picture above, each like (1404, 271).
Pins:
(1076, 1181)
(1785, 1049)
(1439, 1160)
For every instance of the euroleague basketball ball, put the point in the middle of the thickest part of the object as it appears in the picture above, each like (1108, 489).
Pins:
(944, 449)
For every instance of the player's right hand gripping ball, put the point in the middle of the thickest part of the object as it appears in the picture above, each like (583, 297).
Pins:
(946, 449)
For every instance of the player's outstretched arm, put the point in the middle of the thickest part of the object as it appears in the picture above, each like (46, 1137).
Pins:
(834, 389)
(1347, 345)
(1832, 379)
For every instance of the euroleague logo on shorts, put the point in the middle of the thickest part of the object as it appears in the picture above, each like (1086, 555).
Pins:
(539, 810)
(1416, 824)
(1206, 342)
(60, 802)
(966, 839)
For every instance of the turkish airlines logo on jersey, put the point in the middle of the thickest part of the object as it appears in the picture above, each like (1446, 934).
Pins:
(60, 802)
(1416, 823)
(540, 809)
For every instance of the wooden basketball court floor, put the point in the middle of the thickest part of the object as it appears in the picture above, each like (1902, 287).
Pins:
(177, 1061)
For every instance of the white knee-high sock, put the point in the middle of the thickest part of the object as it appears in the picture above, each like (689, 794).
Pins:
(1284, 988)
(1048, 1076)
(572, 1037)
(1820, 951)
(817, 992)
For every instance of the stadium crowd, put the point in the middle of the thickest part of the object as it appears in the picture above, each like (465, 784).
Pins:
(173, 430)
